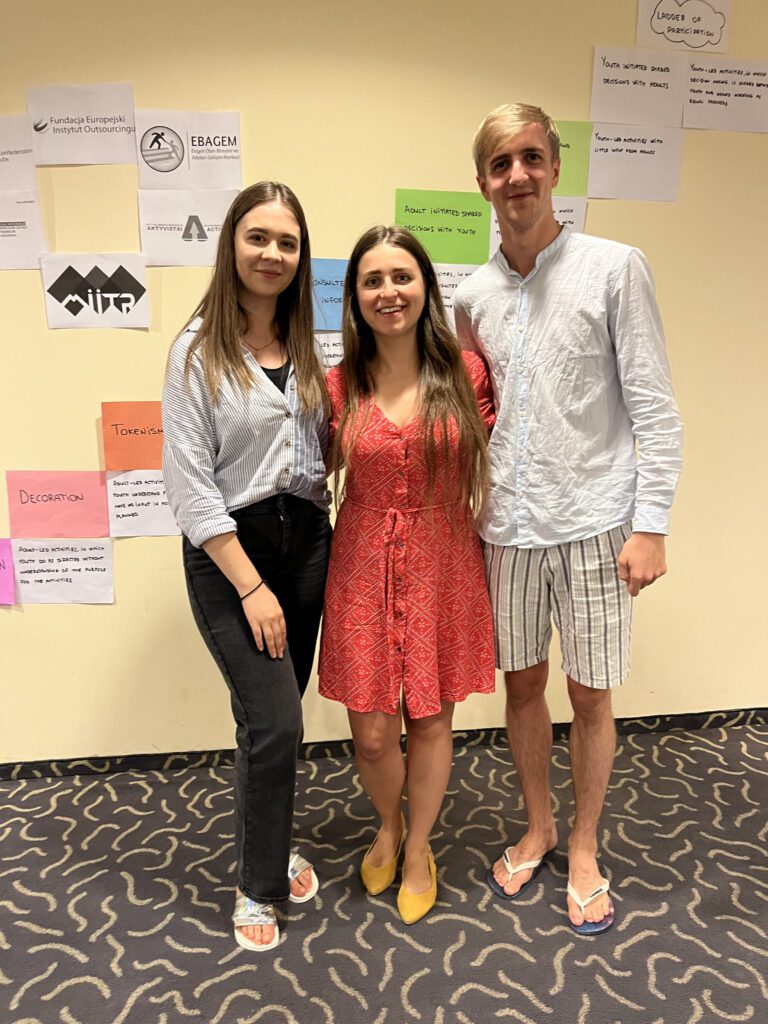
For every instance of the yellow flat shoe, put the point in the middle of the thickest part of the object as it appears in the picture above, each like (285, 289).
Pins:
(413, 906)
(377, 879)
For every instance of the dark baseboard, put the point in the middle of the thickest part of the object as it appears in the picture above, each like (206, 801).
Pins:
(170, 762)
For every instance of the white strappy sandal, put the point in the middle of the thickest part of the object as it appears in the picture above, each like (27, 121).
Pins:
(248, 913)
(296, 865)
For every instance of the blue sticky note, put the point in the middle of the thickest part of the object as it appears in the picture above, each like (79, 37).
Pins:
(328, 287)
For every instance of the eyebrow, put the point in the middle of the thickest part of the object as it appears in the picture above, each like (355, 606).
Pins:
(266, 231)
(377, 270)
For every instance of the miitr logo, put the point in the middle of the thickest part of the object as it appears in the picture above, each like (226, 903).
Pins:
(96, 291)
(161, 149)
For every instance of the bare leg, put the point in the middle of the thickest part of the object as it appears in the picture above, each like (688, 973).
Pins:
(529, 730)
(382, 772)
(430, 755)
(593, 747)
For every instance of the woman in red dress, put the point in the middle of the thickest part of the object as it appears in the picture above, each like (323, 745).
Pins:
(407, 628)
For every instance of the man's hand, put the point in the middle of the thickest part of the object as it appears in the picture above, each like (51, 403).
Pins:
(642, 560)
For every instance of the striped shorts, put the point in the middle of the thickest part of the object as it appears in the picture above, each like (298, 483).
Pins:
(576, 584)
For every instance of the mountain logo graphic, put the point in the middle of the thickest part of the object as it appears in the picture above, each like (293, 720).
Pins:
(97, 291)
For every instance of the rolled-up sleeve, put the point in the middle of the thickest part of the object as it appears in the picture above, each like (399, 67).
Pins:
(646, 386)
(190, 447)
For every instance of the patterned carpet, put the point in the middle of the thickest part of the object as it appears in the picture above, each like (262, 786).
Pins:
(115, 892)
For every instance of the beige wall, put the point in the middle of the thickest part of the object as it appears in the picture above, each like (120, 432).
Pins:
(346, 103)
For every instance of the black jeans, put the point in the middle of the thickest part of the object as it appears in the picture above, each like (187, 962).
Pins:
(288, 540)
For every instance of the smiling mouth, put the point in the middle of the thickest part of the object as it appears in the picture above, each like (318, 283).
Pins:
(269, 273)
(390, 310)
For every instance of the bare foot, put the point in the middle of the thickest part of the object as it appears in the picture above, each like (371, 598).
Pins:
(532, 846)
(416, 876)
(386, 844)
(261, 934)
(584, 875)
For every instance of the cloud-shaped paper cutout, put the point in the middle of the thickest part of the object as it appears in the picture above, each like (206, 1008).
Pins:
(695, 23)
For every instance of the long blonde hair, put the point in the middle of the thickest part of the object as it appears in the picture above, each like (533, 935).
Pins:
(446, 390)
(223, 320)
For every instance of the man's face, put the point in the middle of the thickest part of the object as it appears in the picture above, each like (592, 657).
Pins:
(519, 177)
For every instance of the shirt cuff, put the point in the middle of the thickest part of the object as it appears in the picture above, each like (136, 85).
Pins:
(648, 519)
(202, 532)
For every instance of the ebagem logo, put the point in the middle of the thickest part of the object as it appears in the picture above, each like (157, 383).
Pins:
(161, 149)
(96, 291)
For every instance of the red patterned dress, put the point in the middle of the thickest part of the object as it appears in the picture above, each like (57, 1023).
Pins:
(406, 602)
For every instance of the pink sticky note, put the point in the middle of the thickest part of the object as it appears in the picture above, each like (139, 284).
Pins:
(6, 573)
(56, 503)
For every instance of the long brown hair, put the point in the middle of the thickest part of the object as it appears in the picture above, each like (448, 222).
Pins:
(445, 388)
(223, 320)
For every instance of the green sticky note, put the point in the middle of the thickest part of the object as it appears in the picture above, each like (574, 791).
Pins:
(575, 146)
(453, 227)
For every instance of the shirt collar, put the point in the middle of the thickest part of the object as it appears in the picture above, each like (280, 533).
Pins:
(546, 254)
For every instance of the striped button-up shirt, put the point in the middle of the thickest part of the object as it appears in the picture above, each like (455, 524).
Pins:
(587, 432)
(246, 447)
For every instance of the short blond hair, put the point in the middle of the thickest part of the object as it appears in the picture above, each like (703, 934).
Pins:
(504, 122)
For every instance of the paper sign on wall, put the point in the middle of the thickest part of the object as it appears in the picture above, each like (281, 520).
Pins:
(132, 434)
(181, 227)
(64, 572)
(57, 503)
(575, 142)
(6, 572)
(188, 149)
(328, 288)
(684, 24)
(635, 162)
(449, 277)
(638, 87)
(17, 158)
(138, 505)
(22, 238)
(727, 95)
(332, 345)
(452, 226)
(82, 124)
(99, 290)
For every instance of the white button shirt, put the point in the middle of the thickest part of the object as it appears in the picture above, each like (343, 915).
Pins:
(587, 435)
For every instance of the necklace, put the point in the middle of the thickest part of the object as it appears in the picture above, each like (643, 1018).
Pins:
(260, 348)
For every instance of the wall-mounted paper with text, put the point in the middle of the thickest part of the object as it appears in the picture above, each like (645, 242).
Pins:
(638, 87)
(82, 124)
(452, 226)
(449, 277)
(138, 505)
(635, 162)
(57, 503)
(328, 288)
(133, 435)
(17, 157)
(64, 572)
(188, 149)
(98, 290)
(332, 345)
(684, 24)
(181, 227)
(22, 236)
(7, 590)
(727, 95)
(575, 144)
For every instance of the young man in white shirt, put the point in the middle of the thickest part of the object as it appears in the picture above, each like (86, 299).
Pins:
(585, 457)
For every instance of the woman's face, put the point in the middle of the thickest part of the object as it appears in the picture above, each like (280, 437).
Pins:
(390, 291)
(267, 248)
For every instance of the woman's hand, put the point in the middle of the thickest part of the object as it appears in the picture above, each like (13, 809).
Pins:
(265, 617)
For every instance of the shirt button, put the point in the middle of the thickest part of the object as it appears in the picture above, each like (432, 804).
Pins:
(520, 327)
(287, 444)
(288, 415)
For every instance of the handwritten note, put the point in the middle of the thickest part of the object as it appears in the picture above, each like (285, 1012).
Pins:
(449, 277)
(138, 505)
(635, 162)
(64, 572)
(332, 346)
(727, 95)
(6, 572)
(328, 288)
(684, 24)
(638, 87)
(452, 226)
(133, 435)
(56, 503)
(575, 142)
